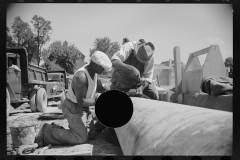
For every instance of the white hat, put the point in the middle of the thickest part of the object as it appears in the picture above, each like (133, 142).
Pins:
(102, 59)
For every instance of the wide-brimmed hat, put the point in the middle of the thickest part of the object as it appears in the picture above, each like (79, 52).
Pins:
(144, 51)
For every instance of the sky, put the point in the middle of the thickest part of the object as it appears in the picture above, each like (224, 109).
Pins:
(192, 27)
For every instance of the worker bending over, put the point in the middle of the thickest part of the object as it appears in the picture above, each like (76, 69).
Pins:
(133, 65)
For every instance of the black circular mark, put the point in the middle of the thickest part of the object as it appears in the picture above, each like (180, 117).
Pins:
(114, 108)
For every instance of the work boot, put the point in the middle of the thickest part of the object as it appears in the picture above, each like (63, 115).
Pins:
(40, 135)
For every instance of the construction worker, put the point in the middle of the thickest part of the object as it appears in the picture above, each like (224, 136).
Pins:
(125, 40)
(80, 96)
(133, 66)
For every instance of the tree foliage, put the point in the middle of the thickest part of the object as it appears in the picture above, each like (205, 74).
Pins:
(42, 30)
(31, 39)
(30, 45)
(19, 30)
(64, 55)
(9, 40)
(105, 45)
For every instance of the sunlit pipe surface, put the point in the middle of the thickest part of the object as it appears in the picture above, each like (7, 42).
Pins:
(163, 128)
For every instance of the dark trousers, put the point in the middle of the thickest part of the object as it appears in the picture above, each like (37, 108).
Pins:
(81, 126)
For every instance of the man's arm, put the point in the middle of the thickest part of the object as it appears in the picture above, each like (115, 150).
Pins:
(148, 71)
(100, 88)
(79, 86)
(116, 63)
(120, 56)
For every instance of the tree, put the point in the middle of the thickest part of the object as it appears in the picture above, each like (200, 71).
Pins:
(30, 45)
(64, 55)
(9, 40)
(19, 29)
(42, 31)
(51, 65)
(105, 45)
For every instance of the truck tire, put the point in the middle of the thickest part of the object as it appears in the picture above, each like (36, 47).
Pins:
(41, 100)
(32, 100)
(7, 102)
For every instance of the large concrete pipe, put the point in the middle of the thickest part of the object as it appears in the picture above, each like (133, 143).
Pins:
(163, 128)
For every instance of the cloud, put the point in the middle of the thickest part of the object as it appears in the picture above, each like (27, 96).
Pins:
(213, 40)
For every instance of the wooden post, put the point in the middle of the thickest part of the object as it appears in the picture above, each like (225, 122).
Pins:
(178, 73)
(177, 69)
(169, 71)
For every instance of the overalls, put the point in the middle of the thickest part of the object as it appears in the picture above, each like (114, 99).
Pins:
(122, 81)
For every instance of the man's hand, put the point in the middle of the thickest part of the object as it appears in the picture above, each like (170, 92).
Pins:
(89, 102)
(136, 91)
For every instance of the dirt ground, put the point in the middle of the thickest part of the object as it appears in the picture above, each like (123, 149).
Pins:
(97, 146)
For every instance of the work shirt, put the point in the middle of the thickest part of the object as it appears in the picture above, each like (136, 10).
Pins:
(125, 52)
(92, 86)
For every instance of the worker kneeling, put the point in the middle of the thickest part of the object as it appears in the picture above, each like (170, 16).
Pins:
(81, 95)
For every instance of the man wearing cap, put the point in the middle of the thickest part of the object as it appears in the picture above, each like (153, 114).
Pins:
(134, 64)
(125, 40)
(80, 96)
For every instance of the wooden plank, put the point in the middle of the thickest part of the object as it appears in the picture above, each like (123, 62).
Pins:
(191, 81)
(214, 64)
(192, 75)
(177, 69)
(169, 73)
(158, 80)
(201, 52)
(163, 67)
(163, 128)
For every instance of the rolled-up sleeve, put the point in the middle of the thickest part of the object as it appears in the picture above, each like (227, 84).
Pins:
(148, 71)
(123, 53)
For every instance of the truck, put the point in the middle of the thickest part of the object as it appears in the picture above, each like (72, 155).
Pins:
(61, 78)
(28, 83)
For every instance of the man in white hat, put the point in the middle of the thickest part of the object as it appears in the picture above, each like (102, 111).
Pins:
(134, 64)
(80, 96)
